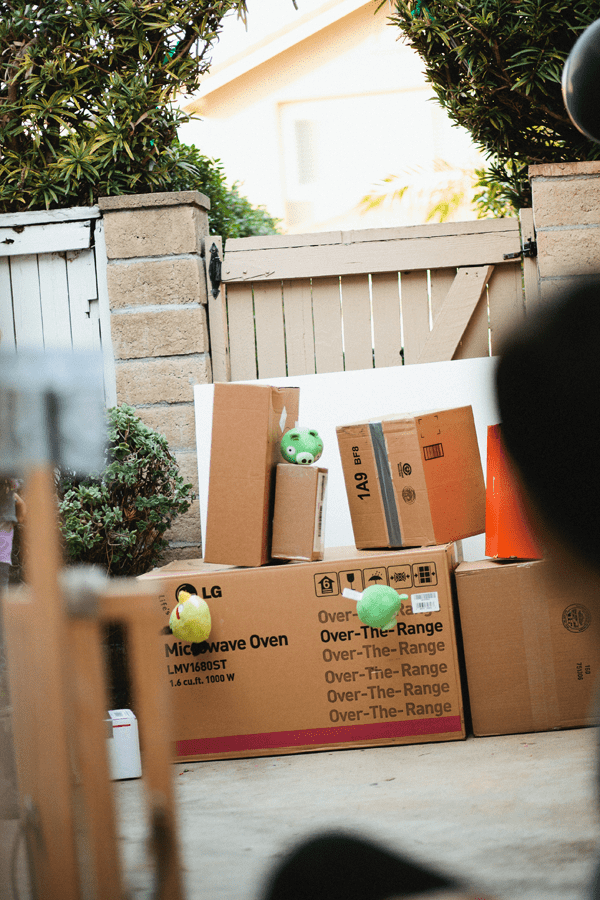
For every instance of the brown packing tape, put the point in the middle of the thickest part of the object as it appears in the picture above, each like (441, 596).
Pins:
(384, 477)
(362, 486)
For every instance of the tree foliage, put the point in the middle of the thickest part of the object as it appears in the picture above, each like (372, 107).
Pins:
(118, 519)
(87, 97)
(496, 68)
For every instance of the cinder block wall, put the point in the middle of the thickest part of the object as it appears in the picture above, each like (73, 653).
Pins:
(158, 300)
(566, 212)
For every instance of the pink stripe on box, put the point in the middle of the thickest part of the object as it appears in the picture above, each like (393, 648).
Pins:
(311, 736)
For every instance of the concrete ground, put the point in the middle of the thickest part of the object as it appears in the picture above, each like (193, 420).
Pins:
(513, 816)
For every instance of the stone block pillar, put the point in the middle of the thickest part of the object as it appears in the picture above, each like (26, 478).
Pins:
(156, 246)
(566, 211)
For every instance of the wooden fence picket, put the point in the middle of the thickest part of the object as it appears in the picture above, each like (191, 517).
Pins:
(299, 321)
(387, 322)
(53, 284)
(299, 304)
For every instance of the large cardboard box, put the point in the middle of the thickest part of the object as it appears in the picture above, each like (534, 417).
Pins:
(299, 516)
(531, 647)
(289, 667)
(508, 531)
(248, 423)
(413, 480)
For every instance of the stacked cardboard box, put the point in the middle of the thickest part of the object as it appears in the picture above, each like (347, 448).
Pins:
(413, 481)
(288, 665)
(531, 632)
(531, 646)
(299, 513)
(249, 421)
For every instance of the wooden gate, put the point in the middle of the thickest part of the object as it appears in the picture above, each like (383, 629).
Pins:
(303, 304)
(53, 292)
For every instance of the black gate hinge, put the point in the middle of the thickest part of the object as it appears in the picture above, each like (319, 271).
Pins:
(214, 270)
(529, 249)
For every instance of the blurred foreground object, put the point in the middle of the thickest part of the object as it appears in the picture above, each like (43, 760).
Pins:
(548, 382)
(581, 82)
(51, 411)
(51, 414)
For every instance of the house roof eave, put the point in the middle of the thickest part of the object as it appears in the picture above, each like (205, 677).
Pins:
(276, 43)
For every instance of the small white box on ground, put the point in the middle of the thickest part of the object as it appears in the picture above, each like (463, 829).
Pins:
(123, 745)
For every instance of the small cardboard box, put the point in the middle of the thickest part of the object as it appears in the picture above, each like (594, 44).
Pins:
(249, 421)
(531, 647)
(289, 668)
(413, 481)
(299, 517)
(508, 532)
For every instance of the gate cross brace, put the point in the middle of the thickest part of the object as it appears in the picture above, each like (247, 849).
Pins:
(455, 314)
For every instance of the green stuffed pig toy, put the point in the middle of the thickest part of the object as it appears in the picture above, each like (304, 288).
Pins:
(301, 446)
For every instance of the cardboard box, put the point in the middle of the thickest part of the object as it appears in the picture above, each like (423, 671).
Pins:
(249, 421)
(289, 667)
(413, 481)
(299, 517)
(508, 532)
(531, 647)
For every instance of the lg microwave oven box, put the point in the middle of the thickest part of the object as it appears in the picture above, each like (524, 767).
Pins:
(248, 423)
(508, 531)
(299, 516)
(413, 480)
(289, 667)
(531, 646)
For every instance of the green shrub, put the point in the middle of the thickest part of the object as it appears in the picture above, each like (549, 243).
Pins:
(88, 90)
(496, 68)
(118, 519)
(242, 219)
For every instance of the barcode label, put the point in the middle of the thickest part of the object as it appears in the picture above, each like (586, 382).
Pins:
(433, 451)
(428, 602)
(319, 532)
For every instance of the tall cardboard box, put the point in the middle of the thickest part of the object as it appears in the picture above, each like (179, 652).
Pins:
(413, 481)
(508, 531)
(289, 667)
(531, 647)
(299, 516)
(249, 421)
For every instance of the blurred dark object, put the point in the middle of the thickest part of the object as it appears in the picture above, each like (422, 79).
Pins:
(337, 866)
(117, 667)
(548, 390)
(581, 82)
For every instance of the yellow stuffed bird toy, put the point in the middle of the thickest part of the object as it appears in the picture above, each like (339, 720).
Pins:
(190, 620)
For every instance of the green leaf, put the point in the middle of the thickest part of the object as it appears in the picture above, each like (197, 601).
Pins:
(89, 92)
(117, 519)
(496, 67)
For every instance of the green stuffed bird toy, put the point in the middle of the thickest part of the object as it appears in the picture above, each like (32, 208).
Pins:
(190, 620)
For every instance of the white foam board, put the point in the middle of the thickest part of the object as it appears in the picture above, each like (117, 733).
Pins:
(337, 398)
